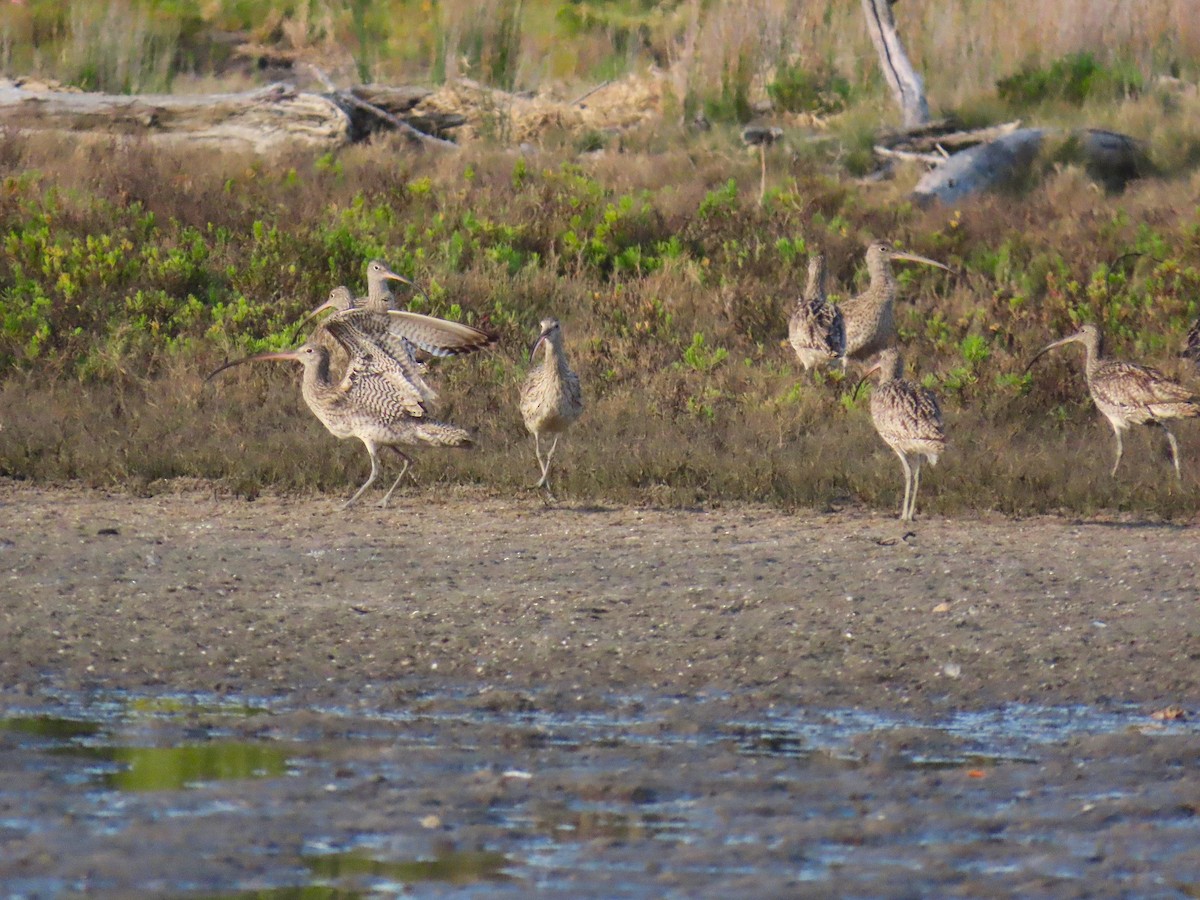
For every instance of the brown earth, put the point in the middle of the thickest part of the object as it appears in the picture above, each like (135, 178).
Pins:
(194, 591)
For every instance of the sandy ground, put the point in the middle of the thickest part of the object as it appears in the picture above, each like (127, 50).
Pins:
(598, 702)
(190, 591)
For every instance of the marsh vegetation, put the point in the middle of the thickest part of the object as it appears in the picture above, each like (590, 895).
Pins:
(130, 271)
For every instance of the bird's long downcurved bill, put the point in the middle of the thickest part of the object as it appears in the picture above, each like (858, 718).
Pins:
(916, 257)
(1060, 342)
(536, 344)
(275, 354)
(865, 378)
(328, 304)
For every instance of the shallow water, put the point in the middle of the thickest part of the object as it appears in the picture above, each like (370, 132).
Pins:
(193, 797)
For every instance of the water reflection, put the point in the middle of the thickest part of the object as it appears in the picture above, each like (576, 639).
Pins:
(463, 867)
(183, 766)
(51, 727)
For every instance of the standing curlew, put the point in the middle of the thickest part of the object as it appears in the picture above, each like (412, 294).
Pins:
(870, 317)
(816, 329)
(761, 136)
(374, 401)
(909, 420)
(551, 398)
(1129, 394)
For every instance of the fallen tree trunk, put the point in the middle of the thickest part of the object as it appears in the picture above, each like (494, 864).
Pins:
(264, 121)
(982, 167)
(1110, 158)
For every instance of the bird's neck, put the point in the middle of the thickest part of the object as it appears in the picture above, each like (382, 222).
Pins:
(815, 288)
(1093, 349)
(555, 358)
(379, 295)
(883, 280)
(316, 376)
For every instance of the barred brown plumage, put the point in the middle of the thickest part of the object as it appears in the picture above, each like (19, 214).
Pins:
(405, 335)
(870, 317)
(816, 329)
(371, 402)
(1191, 344)
(909, 420)
(1127, 393)
(551, 398)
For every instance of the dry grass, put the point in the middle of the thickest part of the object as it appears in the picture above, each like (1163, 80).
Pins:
(962, 47)
(120, 400)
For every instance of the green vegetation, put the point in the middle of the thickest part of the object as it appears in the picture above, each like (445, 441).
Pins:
(1074, 78)
(128, 274)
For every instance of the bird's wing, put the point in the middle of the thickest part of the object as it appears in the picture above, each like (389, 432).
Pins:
(374, 379)
(816, 325)
(1191, 345)
(438, 337)
(370, 330)
(574, 391)
(908, 411)
(1127, 384)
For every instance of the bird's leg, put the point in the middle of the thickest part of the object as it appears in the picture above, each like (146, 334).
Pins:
(907, 486)
(1174, 448)
(546, 474)
(762, 189)
(537, 450)
(1120, 450)
(407, 462)
(912, 503)
(370, 478)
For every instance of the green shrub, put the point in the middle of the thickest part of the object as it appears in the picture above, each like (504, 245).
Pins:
(797, 89)
(1073, 79)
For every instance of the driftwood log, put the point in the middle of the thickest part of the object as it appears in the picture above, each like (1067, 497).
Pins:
(263, 121)
(986, 158)
(1110, 158)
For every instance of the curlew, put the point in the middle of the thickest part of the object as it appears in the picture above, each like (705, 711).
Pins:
(408, 338)
(1129, 394)
(909, 420)
(1191, 344)
(551, 398)
(816, 329)
(761, 136)
(374, 401)
(379, 294)
(870, 317)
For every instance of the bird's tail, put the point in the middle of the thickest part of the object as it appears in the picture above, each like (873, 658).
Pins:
(441, 435)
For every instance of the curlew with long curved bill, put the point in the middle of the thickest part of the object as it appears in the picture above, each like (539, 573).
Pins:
(374, 401)
(379, 293)
(816, 330)
(870, 317)
(551, 398)
(1127, 393)
(909, 420)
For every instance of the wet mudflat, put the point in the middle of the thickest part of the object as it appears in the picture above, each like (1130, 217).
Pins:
(208, 697)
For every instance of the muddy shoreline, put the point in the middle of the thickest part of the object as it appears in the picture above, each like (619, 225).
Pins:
(506, 599)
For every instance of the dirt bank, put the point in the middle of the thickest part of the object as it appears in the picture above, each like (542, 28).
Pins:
(190, 591)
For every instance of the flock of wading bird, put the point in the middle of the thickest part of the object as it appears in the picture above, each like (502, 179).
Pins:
(382, 397)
